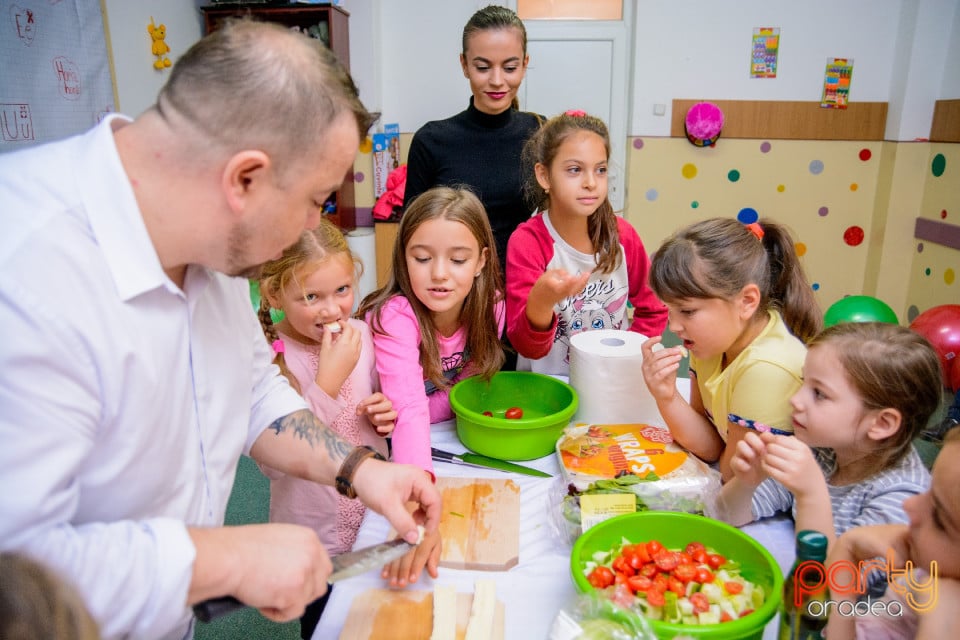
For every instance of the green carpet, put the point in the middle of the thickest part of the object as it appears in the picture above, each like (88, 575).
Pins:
(249, 502)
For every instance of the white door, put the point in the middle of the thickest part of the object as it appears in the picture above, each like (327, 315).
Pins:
(583, 64)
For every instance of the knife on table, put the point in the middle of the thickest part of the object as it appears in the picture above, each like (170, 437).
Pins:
(345, 565)
(485, 462)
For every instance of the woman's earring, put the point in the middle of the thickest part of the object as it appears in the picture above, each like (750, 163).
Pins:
(476, 275)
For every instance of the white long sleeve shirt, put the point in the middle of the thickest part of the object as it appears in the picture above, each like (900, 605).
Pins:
(125, 402)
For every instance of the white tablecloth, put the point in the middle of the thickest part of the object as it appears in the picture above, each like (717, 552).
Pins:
(540, 585)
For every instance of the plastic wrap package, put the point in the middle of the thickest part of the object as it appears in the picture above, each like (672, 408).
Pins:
(594, 616)
(637, 459)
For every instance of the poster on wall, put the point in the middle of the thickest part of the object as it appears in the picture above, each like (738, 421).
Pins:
(836, 83)
(766, 46)
(55, 77)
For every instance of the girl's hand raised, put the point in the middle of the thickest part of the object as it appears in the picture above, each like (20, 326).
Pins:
(747, 460)
(378, 408)
(790, 462)
(659, 368)
(339, 354)
(550, 288)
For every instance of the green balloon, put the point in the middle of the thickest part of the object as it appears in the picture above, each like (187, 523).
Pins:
(275, 314)
(859, 309)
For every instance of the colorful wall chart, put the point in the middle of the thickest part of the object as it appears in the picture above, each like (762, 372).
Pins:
(836, 83)
(766, 45)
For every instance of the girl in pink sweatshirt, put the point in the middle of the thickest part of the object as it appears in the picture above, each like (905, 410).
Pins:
(437, 320)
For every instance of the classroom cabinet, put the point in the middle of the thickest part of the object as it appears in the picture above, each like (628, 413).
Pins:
(325, 22)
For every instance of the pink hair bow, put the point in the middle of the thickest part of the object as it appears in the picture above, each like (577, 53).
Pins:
(575, 113)
(278, 346)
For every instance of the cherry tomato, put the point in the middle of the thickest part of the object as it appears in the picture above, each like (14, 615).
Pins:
(685, 571)
(489, 414)
(725, 617)
(674, 584)
(693, 547)
(513, 413)
(639, 583)
(666, 560)
(653, 546)
(733, 587)
(699, 602)
(655, 597)
(601, 577)
(703, 575)
(715, 560)
(622, 565)
(649, 570)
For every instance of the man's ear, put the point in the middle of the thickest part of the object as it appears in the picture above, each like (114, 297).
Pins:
(543, 175)
(886, 422)
(244, 174)
(749, 300)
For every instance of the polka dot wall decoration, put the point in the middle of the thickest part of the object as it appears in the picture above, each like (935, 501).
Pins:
(939, 165)
(853, 236)
(816, 167)
(815, 286)
(800, 248)
(359, 177)
(689, 171)
(854, 186)
(651, 194)
(781, 188)
(748, 215)
(765, 147)
(865, 154)
(822, 211)
(919, 247)
(366, 145)
(694, 204)
(733, 175)
(948, 276)
(943, 214)
(638, 143)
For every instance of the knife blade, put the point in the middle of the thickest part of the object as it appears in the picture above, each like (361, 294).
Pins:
(345, 565)
(485, 462)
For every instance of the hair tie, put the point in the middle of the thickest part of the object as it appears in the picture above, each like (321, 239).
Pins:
(755, 229)
(278, 346)
(575, 113)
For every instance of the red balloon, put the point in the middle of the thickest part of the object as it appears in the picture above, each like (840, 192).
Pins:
(941, 327)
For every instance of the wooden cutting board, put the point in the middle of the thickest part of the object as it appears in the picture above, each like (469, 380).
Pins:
(480, 525)
(382, 614)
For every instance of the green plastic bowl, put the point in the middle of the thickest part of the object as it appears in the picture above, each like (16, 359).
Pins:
(676, 530)
(548, 405)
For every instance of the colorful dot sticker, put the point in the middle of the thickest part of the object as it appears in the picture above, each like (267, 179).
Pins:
(781, 188)
(939, 165)
(800, 248)
(689, 171)
(854, 186)
(926, 271)
(359, 176)
(733, 175)
(765, 147)
(853, 236)
(638, 143)
(943, 214)
(651, 194)
(865, 154)
(816, 167)
(822, 211)
(695, 204)
(366, 145)
(919, 247)
(815, 286)
(748, 215)
(949, 276)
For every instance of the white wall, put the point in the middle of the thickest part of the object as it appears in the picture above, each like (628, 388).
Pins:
(405, 55)
(137, 81)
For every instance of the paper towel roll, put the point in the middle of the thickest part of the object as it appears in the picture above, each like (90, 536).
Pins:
(363, 244)
(605, 371)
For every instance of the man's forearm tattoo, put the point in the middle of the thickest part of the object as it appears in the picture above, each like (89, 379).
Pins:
(306, 426)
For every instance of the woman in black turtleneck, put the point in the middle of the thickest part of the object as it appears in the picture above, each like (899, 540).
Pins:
(480, 147)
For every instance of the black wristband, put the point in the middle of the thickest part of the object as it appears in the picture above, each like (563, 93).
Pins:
(344, 481)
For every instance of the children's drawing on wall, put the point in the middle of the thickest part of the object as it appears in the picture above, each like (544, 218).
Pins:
(836, 83)
(56, 75)
(766, 45)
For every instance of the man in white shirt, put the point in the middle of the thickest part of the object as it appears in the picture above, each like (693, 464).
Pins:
(133, 373)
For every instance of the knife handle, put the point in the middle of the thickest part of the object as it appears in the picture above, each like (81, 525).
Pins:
(445, 456)
(216, 608)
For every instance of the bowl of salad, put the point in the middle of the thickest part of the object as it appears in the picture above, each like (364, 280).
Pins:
(686, 574)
